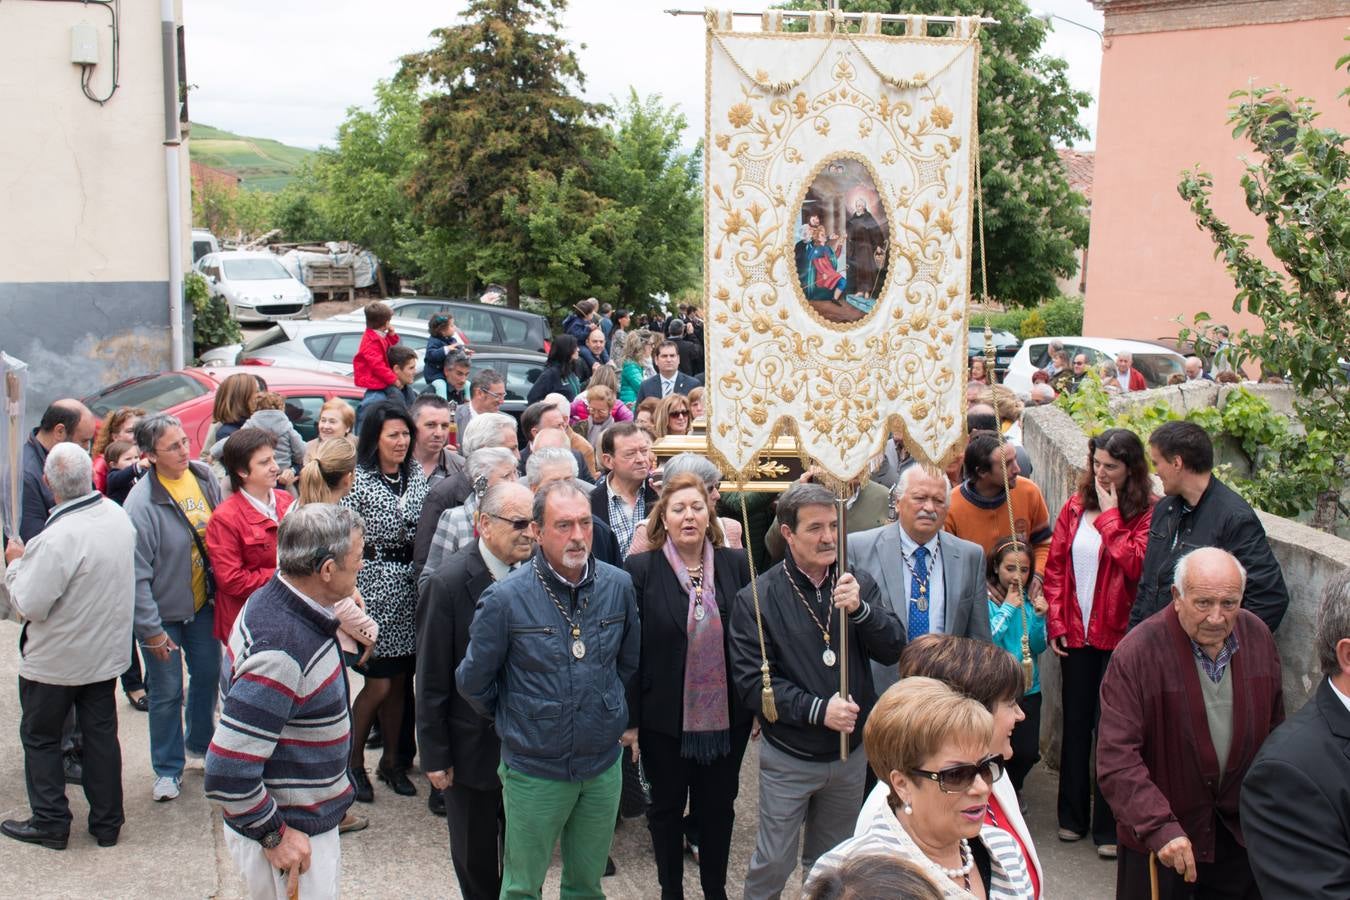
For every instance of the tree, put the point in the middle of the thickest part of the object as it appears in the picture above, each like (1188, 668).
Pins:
(1033, 220)
(1299, 184)
(500, 107)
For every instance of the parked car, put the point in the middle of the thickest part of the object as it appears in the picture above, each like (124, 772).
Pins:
(327, 345)
(190, 393)
(203, 242)
(481, 324)
(1006, 345)
(255, 286)
(1155, 363)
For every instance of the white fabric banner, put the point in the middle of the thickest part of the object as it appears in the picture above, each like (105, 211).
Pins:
(837, 223)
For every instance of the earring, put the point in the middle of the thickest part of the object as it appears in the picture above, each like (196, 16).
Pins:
(907, 809)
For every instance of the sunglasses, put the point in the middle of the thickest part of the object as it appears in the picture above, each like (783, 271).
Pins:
(956, 779)
(516, 524)
(679, 413)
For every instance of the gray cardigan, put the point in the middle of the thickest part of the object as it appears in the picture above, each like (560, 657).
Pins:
(164, 550)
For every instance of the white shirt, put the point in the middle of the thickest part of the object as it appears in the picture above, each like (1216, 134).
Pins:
(1085, 554)
(937, 590)
(268, 509)
(667, 385)
(1344, 699)
(325, 610)
(1123, 380)
(496, 567)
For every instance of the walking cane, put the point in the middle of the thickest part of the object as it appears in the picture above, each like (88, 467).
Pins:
(1153, 876)
(841, 512)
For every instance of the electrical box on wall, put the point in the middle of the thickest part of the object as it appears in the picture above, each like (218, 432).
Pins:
(84, 44)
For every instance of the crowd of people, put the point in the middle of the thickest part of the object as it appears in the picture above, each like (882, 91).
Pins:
(561, 629)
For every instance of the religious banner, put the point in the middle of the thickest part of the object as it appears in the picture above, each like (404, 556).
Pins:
(837, 222)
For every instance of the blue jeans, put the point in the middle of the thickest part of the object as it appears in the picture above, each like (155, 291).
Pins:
(164, 687)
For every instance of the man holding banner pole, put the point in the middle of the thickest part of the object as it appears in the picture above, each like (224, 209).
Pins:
(808, 609)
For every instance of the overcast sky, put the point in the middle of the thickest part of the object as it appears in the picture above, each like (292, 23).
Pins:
(290, 70)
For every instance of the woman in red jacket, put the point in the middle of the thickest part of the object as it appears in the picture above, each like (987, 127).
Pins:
(1091, 576)
(241, 537)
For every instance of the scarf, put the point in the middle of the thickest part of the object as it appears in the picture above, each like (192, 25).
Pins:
(706, 729)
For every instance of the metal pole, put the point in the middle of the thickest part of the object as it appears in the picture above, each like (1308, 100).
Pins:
(841, 564)
(802, 14)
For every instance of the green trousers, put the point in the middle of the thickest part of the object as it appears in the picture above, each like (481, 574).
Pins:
(538, 810)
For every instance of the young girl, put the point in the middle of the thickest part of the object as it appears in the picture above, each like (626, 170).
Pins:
(1018, 626)
(444, 335)
(121, 458)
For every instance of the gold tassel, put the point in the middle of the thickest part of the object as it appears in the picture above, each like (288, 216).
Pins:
(766, 704)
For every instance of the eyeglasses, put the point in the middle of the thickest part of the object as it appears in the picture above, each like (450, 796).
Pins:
(516, 524)
(956, 779)
(680, 413)
(495, 395)
(182, 445)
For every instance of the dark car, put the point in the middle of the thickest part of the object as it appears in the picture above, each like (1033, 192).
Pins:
(520, 369)
(481, 323)
(1005, 348)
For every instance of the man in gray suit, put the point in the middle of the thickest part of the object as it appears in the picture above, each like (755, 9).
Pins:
(934, 581)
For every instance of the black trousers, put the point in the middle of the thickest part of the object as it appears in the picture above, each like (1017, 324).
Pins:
(1026, 741)
(44, 708)
(1229, 877)
(1082, 808)
(132, 678)
(407, 732)
(477, 821)
(710, 788)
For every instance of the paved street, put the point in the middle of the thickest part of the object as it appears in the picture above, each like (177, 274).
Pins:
(175, 850)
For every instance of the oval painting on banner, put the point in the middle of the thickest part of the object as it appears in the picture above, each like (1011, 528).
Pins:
(842, 245)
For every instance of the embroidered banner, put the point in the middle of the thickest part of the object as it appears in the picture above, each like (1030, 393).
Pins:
(837, 223)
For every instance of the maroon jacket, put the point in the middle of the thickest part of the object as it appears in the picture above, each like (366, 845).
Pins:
(1118, 566)
(1155, 763)
(243, 547)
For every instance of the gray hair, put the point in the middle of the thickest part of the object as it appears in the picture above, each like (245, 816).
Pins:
(1042, 390)
(314, 533)
(700, 467)
(801, 495)
(1182, 572)
(1333, 622)
(908, 472)
(69, 471)
(1125, 353)
(561, 488)
(497, 496)
(548, 456)
(485, 430)
(153, 427)
(488, 460)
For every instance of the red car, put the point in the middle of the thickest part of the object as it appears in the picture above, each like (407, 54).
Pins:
(189, 394)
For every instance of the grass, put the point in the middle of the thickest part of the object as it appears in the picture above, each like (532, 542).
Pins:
(262, 163)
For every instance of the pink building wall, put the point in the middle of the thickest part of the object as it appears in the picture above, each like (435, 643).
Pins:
(1163, 109)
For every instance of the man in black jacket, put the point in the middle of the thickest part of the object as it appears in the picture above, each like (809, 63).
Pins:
(1201, 511)
(460, 750)
(805, 605)
(1296, 795)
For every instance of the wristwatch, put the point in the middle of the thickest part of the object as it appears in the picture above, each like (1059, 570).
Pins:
(271, 840)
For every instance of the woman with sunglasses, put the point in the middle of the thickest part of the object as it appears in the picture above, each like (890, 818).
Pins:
(672, 416)
(991, 676)
(929, 746)
(694, 729)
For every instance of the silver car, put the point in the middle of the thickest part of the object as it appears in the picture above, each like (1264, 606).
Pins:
(328, 345)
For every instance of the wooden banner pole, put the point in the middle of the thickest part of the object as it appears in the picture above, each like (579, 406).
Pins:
(841, 566)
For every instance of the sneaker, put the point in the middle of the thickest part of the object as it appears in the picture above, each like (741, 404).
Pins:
(166, 788)
(1068, 834)
(194, 761)
(1106, 851)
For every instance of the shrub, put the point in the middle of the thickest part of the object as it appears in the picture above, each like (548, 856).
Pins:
(1033, 326)
(212, 324)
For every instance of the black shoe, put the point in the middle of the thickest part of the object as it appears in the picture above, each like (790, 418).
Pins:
(361, 782)
(609, 866)
(436, 803)
(107, 840)
(74, 769)
(141, 703)
(24, 830)
(398, 780)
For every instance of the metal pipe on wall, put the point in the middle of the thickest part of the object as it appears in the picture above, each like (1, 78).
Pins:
(168, 28)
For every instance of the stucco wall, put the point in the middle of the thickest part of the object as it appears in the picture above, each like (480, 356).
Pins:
(84, 292)
(1309, 558)
(1162, 109)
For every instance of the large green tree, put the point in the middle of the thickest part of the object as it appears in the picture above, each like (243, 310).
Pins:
(1033, 220)
(499, 104)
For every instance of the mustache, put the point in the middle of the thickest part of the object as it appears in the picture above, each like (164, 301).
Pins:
(926, 514)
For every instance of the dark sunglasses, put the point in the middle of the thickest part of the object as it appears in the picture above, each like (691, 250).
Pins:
(682, 413)
(516, 524)
(956, 779)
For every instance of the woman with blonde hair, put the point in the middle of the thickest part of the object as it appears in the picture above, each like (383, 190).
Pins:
(637, 356)
(328, 473)
(672, 416)
(336, 420)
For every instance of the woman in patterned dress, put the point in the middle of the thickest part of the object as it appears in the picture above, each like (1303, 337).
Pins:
(388, 492)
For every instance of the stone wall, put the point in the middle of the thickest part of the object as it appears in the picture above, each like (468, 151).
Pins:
(1309, 558)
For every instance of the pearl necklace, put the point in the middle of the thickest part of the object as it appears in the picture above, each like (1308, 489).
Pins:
(967, 862)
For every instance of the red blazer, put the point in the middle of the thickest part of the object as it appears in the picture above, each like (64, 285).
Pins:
(243, 547)
(1118, 567)
(370, 366)
(1156, 764)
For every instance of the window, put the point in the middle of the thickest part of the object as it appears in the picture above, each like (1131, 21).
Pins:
(1157, 368)
(515, 332)
(273, 335)
(309, 405)
(1038, 352)
(318, 345)
(520, 377)
(153, 394)
(344, 347)
(476, 324)
(421, 311)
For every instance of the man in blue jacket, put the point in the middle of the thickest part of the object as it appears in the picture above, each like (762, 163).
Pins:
(551, 649)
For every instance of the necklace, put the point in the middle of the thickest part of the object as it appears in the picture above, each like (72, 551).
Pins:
(578, 645)
(967, 862)
(696, 582)
(923, 583)
(827, 655)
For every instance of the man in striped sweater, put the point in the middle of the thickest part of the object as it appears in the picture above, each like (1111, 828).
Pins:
(278, 761)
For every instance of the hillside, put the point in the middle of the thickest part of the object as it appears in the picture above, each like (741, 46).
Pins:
(262, 163)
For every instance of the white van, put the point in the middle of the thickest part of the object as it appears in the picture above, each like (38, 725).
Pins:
(203, 242)
(1156, 363)
(255, 286)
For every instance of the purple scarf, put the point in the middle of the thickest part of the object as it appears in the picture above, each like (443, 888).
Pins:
(706, 729)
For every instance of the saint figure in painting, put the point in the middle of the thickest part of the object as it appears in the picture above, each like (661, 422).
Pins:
(865, 240)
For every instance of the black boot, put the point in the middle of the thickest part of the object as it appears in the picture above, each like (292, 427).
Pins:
(397, 779)
(436, 802)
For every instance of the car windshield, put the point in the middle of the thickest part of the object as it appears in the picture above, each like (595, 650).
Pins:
(257, 269)
(154, 394)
